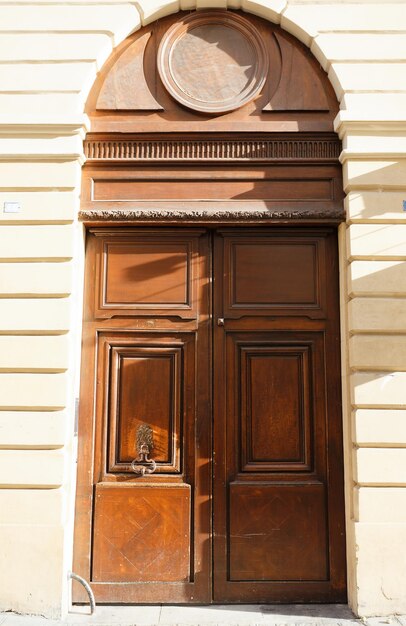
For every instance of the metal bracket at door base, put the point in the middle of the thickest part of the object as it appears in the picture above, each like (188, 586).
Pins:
(88, 589)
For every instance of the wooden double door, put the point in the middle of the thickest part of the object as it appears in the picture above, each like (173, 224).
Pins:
(216, 354)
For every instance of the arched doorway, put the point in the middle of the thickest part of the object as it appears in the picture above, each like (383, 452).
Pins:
(211, 197)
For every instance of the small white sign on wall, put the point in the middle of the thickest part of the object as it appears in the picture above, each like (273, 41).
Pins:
(11, 207)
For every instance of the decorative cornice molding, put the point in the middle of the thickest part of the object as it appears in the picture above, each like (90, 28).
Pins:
(348, 155)
(347, 123)
(44, 125)
(218, 214)
(251, 149)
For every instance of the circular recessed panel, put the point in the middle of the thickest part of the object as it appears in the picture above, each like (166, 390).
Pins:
(215, 62)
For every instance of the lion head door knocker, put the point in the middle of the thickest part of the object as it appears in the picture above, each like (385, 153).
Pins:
(145, 444)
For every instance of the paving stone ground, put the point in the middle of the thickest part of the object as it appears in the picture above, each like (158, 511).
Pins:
(229, 615)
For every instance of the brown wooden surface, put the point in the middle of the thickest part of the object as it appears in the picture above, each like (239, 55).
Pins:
(277, 507)
(143, 370)
(278, 186)
(136, 374)
(278, 500)
(135, 531)
(150, 273)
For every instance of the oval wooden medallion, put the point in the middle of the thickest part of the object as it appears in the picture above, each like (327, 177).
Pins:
(213, 62)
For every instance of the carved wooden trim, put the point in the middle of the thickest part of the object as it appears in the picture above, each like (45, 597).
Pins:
(251, 149)
(217, 214)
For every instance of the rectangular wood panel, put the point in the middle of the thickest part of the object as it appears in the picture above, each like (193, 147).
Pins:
(277, 273)
(145, 389)
(146, 273)
(135, 531)
(275, 406)
(212, 189)
(278, 532)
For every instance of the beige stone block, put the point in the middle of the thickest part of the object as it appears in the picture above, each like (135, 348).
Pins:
(211, 4)
(304, 22)
(44, 104)
(268, 9)
(300, 26)
(186, 5)
(31, 468)
(378, 389)
(376, 240)
(367, 77)
(60, 148)
(369, 278)
(40, 206)
(33, 506)
(375, 427)
(380, 143)
(37, 242)
(381, 568)
(377, 314)
(151, 10)
(33, 391)
(381, 466)
(329, 47)
(374, 174)
(214, 4)
(34, 353)
(375, 105)
(35, 279)
(55, 47)
(32, 429)
(46, 76)
(32, 581)
(378, 352)
(37, 316)
(30, 175)
(385, 206)
(116, 19)
(382, 504)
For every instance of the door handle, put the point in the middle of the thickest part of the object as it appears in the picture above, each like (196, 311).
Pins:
(145, 443)
(220, 321)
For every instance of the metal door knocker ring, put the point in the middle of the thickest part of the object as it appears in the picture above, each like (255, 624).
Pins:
(145, 444)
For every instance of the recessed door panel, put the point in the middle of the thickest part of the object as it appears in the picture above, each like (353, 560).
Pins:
(135, 531)
(146, 390)
(275, 400)
(143, 274)
(277, 533)
(274, 274)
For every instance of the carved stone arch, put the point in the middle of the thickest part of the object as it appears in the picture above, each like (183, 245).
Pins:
(212, 88)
